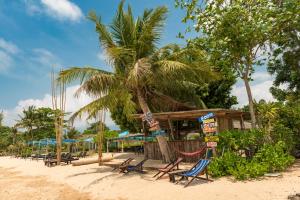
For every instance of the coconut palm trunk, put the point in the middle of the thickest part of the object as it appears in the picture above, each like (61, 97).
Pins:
(145, 108)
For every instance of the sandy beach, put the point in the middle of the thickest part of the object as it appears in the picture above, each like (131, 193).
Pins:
(26, 179)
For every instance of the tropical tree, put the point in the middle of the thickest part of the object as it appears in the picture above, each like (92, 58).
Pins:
(144, 77)
(28, 121)
(284, 62)
(267, 115)
(38, 123)
(1, 118)
(238, 32)
(92, 129)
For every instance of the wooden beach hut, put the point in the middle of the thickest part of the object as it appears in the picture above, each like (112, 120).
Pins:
(177, 125)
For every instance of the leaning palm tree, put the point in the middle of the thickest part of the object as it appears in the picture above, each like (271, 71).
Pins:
(144, 77)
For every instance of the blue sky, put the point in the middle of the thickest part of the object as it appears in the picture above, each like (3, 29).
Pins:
(38, 34)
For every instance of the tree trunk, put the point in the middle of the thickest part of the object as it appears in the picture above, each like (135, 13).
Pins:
(58, 138)
(251, 105)
(144, 106)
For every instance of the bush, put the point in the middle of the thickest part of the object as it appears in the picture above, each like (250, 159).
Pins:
(235, 140)
(269, 158)
(274, 156)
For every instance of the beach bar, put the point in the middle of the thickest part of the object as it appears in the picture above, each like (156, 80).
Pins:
(179, 125)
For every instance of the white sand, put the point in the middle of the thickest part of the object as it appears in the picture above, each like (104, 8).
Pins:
(92, 181)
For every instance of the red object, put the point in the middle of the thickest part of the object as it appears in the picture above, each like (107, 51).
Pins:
(192, 154)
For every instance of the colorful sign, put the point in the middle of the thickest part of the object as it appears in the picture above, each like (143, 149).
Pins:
(211, 120)
(209, 128)
(213, 138)
(153, 124)
(207, 116)
(211, 144)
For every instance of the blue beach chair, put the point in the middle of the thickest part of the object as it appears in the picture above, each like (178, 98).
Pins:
(199, 168)
(129, 168)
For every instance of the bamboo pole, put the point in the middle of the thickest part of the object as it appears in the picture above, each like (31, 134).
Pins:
(58, 106)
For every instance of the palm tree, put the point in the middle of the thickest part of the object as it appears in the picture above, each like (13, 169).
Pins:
(144, 77)
(28, 120)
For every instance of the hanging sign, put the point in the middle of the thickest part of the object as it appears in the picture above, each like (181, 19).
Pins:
(207, 116)
(153, 124)
(211, 138)
(209, 128)
(211, 144)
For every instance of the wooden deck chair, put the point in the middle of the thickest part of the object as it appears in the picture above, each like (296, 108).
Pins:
(198, 169)
(126, 162)
(129, 168)
(168, 168)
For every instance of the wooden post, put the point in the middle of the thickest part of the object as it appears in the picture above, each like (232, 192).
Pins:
(59, 108)
(107, 149)
(102, 115)
(171, 128)
(242, 123)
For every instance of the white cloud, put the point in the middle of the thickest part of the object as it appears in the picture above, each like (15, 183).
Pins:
(32, 7)
(261, 76)
(63, 9)
(59, 9)
(44, 57)
(72, 105)
(7, 50)
(8, 46)
(5, 61)
(102, 56)
(260, 89)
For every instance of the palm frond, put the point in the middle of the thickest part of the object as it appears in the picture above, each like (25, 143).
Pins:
(105, 36)
(98, 84)
(110, 100)
(80, 73)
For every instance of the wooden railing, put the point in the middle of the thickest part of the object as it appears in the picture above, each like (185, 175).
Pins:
(152, 151)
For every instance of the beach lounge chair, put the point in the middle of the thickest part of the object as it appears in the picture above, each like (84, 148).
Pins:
(66, 158)
(129, 168)
(198, 169)
(125, 163)
(168, 168)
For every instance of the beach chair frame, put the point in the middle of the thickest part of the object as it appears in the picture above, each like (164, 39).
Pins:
(168, 168)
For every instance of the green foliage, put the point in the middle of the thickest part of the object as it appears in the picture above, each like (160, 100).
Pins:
(93, 128)
(1, 118)
(38, 123)
(284, 63)
(124, 122)
(269, 158)
(217, 93)
(275, 157)
(235, 140)
(280, 122)
(72, 133)
(141, 71)
(5, 137)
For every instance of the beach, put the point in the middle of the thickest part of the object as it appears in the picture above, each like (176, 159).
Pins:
(27, 179)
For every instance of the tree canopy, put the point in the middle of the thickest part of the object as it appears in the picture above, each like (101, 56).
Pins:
(144, 77)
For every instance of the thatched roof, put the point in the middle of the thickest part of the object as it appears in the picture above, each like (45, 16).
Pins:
(194, 114)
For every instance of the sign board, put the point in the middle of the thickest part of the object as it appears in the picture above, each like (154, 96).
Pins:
(207, 116)
(209, 128)
(211, 144)
(211, 138)
(211, 120)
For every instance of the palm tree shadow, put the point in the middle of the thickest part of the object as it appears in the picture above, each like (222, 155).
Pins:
(101, 179)
(95, 171)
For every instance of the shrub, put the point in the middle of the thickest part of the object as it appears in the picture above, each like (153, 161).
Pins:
(269, 158)
(274, 156)
(235, 140)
